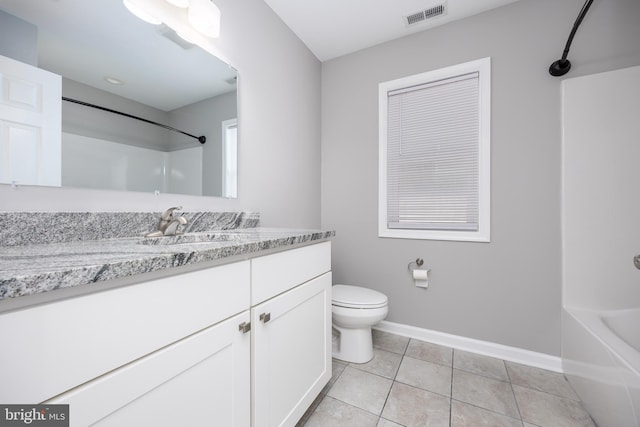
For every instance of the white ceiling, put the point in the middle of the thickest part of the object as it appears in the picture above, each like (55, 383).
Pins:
(332, 28)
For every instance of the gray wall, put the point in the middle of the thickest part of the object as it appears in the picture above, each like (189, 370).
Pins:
(94, 123)
(279, 135)
(205, 118)
(507, 291)
(18, 39)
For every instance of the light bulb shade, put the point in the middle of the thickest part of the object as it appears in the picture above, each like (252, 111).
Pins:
(186, 37)
(141, 13)
(205, 17)
(179, 3)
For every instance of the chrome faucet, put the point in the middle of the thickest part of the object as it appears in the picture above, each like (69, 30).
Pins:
(172, 227)
(168, 225)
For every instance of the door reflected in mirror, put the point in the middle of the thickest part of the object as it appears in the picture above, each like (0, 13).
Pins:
(108, 57)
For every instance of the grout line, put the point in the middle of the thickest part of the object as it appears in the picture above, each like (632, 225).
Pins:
(393, 381)
(513, 393)
(453, 351)
(490, 410)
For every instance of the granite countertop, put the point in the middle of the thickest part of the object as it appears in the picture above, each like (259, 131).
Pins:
(37, 268)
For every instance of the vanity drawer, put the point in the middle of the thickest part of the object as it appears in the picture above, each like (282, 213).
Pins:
(51, 348)
(273, 274)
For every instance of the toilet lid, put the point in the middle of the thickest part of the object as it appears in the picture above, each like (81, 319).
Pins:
(357, 297)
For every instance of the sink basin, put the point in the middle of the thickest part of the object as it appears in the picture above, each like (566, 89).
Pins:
(187, 239)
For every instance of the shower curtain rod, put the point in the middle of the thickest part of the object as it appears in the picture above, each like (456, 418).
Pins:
(563, 65)
(202, 139)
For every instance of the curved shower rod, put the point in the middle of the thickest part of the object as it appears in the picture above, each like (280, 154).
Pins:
(202, 139)
(563, 65)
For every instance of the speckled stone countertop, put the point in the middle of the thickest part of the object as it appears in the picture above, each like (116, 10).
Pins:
(29, 269)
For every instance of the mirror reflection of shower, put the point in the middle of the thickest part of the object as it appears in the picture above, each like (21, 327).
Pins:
(189, 89)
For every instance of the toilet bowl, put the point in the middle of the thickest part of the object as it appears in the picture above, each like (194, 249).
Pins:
(354, 311)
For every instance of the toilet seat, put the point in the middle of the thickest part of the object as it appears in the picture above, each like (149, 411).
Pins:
(357, 297)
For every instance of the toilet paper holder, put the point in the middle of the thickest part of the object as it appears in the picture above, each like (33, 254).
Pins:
(415, 264)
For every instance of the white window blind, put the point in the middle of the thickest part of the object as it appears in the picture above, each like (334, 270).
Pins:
(433, 155)
(434, 162)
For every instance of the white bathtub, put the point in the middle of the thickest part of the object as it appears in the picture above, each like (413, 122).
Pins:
(601, 359)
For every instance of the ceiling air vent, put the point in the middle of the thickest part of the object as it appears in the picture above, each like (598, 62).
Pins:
(423, 15)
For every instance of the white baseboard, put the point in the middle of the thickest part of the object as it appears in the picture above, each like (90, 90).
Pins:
(512, 354)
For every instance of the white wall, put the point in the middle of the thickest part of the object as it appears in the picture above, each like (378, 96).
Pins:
(99, 164)
(600, 237)
(601, 175)
(279, 136)
(507, 291)
(184, 171)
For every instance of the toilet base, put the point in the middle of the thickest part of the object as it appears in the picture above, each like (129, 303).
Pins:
(353, 345)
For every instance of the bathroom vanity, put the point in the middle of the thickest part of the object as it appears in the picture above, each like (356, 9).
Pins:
(238, 340)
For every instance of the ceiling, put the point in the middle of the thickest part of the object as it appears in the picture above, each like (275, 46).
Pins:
(77, 42)
(332, 28)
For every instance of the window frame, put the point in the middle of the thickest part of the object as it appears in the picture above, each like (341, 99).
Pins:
(483, 234)
(229, 172)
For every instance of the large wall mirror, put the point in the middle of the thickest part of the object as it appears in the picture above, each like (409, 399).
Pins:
(110, 58)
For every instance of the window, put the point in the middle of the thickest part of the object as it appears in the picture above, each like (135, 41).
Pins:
(434, 154)
(230, 156)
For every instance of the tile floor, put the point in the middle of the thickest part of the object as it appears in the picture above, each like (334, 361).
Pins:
(415, 383)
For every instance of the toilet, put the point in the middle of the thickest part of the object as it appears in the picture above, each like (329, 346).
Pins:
(354, 311)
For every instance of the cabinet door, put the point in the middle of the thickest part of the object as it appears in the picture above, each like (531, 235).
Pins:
(291, 352)
(202, 380)
(54, 347)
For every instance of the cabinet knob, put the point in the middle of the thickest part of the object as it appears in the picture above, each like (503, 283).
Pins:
(265, 317)
(244, 327)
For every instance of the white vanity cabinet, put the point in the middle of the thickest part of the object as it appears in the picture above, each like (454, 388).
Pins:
(291, 349)
(240, 344)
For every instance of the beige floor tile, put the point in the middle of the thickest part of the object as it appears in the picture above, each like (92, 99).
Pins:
(484, 392)
(362, 389)
(411, 406)
(481, 365)
(387, 423)
(425, 375)
(390, 342)
(541, 380)
(334, 413)
(465, 415)
(384, 363)
(430, 352)
(365, 395)
(547, 410)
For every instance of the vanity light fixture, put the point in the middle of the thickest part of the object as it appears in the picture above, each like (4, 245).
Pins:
(204, 16)
(187, 38)
(141, 13)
